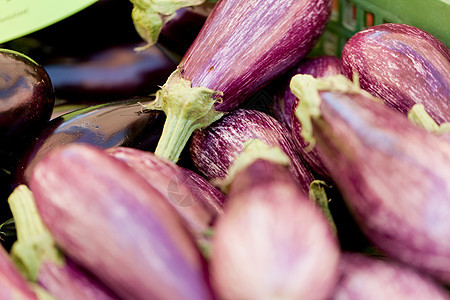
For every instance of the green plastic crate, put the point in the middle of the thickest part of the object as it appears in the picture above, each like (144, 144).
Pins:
(351, 16)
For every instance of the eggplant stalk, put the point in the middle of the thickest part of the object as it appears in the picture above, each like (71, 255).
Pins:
(419, 116)
(318, 196)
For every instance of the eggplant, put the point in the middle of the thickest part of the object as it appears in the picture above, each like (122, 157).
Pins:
(241, 47)
(272, 242)
(403, 65)
(118, 123)
(371, 278)
(393, 175)
(41, 261)
(214, 148)
(194, 198)
(114, 73)
(109, 220)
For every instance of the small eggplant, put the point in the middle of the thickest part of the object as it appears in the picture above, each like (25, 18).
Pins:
(272, 242)
(403, 65)
(110, 221)
(119, 123)
(242, 46)
(41, 261)
(114, 73)
(214, 148)
(197, 201)
(393, 175)
(370, 278)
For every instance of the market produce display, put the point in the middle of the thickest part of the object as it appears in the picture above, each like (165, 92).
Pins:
(217, 150)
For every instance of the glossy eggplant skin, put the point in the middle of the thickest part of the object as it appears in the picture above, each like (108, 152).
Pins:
(272, 241)
(394, 177)
(114, 73)
(371, 278)
(214, 148)
(403, 65)
(109, 220)
(118, 123)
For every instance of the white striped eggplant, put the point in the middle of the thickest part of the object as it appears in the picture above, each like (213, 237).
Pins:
(41, 261)
(214, 148)
(242, 46)
(403, 65)
(197, 201)
(109, 220)
(272, 242)
(371, 278)
(393, 175)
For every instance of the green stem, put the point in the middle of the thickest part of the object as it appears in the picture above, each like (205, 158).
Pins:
(419, 116)
(318, 195)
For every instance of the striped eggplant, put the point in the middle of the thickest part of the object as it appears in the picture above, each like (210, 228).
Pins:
(394, 176)
(272, 242)
(40, 260)
(214, 148)
(109, 220)
(242, 46)
(371, 278)
(403, 65)
(197, 201)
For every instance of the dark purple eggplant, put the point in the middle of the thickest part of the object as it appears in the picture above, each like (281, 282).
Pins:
(370, 278)
(197, 201)
(38, 257)
(318, 66)
(272, 242)
(403, 65)
(109, 220)
(214, 148)
(111, 74)
(106, 125)
(242, 46)
(393, 175)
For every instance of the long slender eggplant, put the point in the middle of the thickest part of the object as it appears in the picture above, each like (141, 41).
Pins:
(106, 125)
(109, 220)
(403, 65)
(242, 46)
(272, 242)
(38, 257)
(214, 148)
(370, 278)
(197, 201)
(393, 175)
(114, 73)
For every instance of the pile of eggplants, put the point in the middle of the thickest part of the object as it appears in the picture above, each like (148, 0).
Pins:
(173, 188)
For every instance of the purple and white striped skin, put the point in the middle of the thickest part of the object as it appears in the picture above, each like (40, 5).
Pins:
(109, 220)
(403, 65)
(272, 242)
(243, 45)
(197, 201)
(284, 100)
(370, 278)
(12, 284)
(393, 175)
(214, 149)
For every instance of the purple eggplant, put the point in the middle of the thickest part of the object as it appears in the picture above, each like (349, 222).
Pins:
(242, 46)
(40, 260)
(370, 278)
(197, 201)
(119, 123)
(214, 148)
(393, 175)
(403, 65)
(109, 220)
(272, 242)
(114, 73)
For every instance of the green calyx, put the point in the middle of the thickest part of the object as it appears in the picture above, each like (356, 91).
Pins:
(34, 242)
(187, 109)
(419, 116)
(318, 196)
(149, 16)
(306, 88)
(254, 149)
